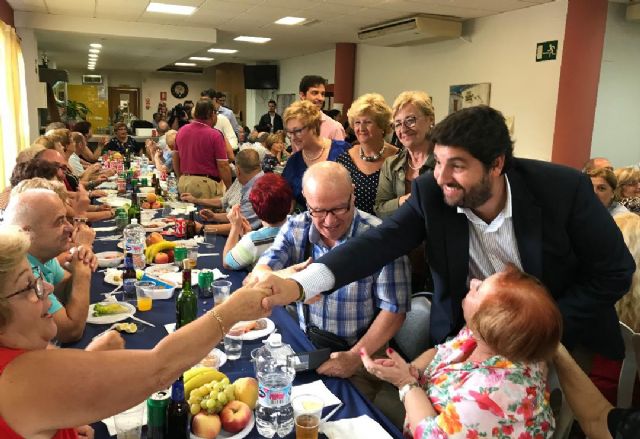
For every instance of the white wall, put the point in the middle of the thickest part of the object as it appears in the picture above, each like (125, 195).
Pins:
(36, 90)
(501, 50)
(616, 131)
(293, 69)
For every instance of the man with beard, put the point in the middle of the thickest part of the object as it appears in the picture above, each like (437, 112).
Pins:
(480, 210)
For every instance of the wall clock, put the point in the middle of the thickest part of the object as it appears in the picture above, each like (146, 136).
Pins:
(179, 90)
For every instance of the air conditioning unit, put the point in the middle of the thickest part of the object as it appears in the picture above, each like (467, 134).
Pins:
(418, 29)
(633, 11)
(92, 79)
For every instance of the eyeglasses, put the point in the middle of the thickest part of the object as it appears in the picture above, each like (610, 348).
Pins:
(409, 123)
(322, 213)
(295, 133)
(36, 285)
(62, 167)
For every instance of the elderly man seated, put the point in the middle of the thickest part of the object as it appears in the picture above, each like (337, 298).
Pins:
(42, 213)
(363, 314)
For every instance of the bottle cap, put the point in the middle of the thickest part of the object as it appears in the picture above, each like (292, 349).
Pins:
(274, 340)
(134, 220)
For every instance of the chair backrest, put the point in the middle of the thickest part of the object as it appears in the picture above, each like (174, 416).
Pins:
(630, 364)
(561, 411)
(413, 337)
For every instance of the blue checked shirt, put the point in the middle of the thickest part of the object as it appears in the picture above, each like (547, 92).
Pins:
(348, 311)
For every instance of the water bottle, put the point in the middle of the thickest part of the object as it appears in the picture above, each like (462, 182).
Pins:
(274, 414)
(172, 187)
(135, 242)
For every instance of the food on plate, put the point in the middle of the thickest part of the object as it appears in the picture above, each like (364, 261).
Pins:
(235, 416)
(253, 325)
(205, 425)
(112, 256)
(113, 275)
(152, 250)
(161, 258)
(246, 390)
(130, 328)
(154, 238)
(211, 360)
(105, 309)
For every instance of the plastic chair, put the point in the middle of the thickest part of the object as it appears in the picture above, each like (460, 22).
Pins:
(630, 364)
(413, 337)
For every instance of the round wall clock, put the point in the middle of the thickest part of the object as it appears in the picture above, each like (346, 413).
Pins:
(179, 90)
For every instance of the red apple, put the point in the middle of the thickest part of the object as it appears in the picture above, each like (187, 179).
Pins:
(146, 205)
(161, 258)
(170, 254)
(205, 425)
(156, 205)
(235, 416)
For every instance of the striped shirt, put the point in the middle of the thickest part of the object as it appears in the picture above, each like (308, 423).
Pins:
(492, 246)
(348, 311)
(250, 247)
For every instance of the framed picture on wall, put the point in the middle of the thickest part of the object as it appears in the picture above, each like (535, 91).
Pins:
(468, 95)
(163, 95)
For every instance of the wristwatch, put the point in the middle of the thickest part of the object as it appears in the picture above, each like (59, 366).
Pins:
(405, 389)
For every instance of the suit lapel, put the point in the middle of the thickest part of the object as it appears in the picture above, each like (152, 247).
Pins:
(456, 231)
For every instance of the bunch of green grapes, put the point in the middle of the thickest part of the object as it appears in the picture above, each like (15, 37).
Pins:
(211, 397)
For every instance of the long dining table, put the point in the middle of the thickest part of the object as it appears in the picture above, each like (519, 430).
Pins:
(163, 312)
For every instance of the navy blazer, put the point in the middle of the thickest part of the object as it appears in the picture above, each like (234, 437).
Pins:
(566, 238)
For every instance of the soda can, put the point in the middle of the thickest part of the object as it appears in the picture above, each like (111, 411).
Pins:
(205, 282)
(144, 182)
(122, 185)
(179, 254)
(181, 227)
(157, 405)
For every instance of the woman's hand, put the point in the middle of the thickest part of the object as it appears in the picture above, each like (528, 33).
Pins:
(109, 341)
(244, 304)
(403, 199)
(235, 218)
(392, 369)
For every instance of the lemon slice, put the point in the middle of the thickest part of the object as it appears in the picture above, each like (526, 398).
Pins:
(311, 405)
(127, 327)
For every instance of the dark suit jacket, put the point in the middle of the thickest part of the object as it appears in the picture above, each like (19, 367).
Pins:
(565, 236)
(265, 120)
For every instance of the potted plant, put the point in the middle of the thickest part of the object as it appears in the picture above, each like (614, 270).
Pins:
(75, 110)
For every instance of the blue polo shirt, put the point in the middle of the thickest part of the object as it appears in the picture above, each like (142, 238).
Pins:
(53, 273)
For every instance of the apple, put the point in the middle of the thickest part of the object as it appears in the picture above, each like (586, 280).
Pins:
(205, 425)
(170, 254)
(146, 205)
(156, 205)
(235, 416)
(161, 258)
(154, 238)
(246, 390)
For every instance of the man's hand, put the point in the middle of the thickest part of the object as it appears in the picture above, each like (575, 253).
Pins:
(207, 214)
(82, 256)
(283, 291)
(186, 196)
(286, 273)
(85, 431)
(340, 364)
(109, 341)
(83, 235)
(235, 218)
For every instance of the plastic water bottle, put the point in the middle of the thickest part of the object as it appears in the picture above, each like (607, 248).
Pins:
(172, 187)
(274, 414)
(135, 242)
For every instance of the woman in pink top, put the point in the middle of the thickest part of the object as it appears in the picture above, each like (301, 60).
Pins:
(490, 380)
(44, 392)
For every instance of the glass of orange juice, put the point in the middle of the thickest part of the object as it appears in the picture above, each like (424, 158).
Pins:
(143, 294)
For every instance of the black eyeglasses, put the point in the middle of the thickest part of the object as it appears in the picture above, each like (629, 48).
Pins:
(295, 133)
(322, 213)
(37, 285)
(409, 123)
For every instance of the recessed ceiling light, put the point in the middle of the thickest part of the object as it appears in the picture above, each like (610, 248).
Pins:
(290, 21)
(93, 55)
(259, 40)
(200, 58)
(94, 50)
(164, 8)
(185, 64)
(95, 45)
(91, 67)
(214, 50)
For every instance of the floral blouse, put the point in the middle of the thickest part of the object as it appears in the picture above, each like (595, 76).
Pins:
(495, 398)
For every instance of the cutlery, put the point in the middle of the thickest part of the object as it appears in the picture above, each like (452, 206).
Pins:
(331, 413)
(104, 332)
(142, 321)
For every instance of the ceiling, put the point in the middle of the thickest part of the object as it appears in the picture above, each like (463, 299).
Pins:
(134, 39)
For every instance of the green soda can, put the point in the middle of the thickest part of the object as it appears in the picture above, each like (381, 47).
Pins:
(179, 254)
(157, 414)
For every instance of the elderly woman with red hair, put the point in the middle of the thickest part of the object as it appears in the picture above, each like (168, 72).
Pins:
(489, 381)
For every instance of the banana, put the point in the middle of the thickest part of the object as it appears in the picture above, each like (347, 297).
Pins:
(154, 249)
(200, 380)
(195, 371)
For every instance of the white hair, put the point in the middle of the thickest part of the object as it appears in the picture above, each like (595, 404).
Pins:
(20, 207)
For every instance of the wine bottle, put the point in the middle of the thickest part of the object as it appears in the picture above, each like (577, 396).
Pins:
(187, 303)
(178, 413)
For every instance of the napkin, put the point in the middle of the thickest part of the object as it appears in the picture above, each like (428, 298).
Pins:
(111, 425)
(316, 388)
(362, 427)
(170, 327)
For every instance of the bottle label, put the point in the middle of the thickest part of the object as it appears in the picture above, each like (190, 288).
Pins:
(133, 247)
(274, 396)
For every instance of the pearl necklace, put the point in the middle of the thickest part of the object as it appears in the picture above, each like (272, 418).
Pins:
(372, 158)
(417, 168)
(314, 158)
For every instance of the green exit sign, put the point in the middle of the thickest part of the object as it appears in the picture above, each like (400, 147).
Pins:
(546, 51)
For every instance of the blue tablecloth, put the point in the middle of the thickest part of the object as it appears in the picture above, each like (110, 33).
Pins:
(163, 312)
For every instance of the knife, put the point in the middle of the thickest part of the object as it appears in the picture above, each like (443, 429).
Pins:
(142, 321)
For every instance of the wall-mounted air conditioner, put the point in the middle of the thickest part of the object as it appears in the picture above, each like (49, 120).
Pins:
(92, 79)
(418, 29)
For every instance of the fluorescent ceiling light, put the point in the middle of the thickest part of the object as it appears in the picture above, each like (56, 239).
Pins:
(93, 55)
(164, 8)
(186, 64)
(95, 45)
(290, 21)
(200, 58)
(214, 50)
(94, 50)
(91, 67)
(259, 40)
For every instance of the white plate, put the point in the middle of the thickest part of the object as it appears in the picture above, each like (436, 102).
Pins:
(254, 335)
(112, 318)
(110, 192)
(110, 274)
(226, 435)
(114, 201)
(159, 269)
(222, 357)
(108, 185)
(160, 225)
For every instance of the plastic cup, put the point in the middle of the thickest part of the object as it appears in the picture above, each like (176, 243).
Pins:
(254, 359)
(307, 412)
(210, 237)
(143, 295)
(233, 343)
(129, 423)
(221, 291)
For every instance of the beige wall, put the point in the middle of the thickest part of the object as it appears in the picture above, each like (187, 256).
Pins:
(293, 69)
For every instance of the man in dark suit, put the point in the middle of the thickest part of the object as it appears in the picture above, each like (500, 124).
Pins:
(272, 119)
(481, 209)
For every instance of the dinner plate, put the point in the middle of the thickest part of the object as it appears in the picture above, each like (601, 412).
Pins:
(159, 226)
(111, 318)
(222, 358)
(159, 269)
(226, 435)
(114, 201)
(110, 274)
(254, 335)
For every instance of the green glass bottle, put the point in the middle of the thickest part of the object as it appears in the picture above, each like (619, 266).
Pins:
(186, 303)
(134, 209)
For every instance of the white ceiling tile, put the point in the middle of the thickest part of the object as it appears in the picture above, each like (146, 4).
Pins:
(225, 7)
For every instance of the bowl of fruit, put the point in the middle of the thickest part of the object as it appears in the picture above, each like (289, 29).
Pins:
(152, 201)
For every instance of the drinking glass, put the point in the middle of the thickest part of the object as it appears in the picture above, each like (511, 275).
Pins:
(307, 411)
(129, 423)
(210, 237)
(221, 291)
(144, 295)
(233, 343)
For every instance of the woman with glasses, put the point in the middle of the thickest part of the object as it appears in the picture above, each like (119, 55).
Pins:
(628, 190)
(45, 393)
(370, 117)
(302, 121)
(413, 118)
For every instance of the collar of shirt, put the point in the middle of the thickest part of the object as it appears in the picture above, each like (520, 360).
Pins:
(316, 239)
(498, 220)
